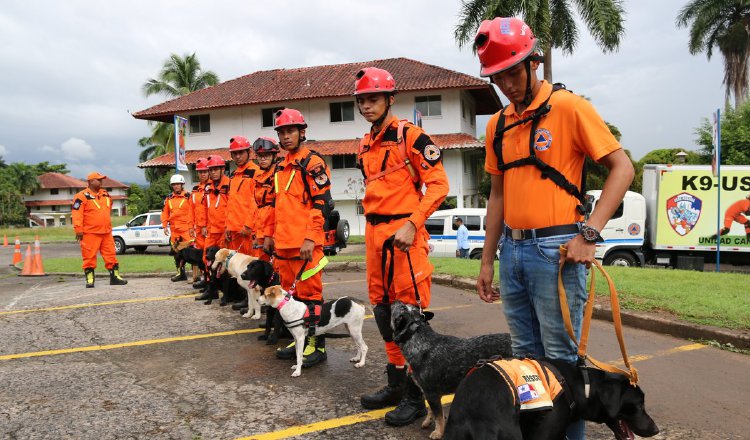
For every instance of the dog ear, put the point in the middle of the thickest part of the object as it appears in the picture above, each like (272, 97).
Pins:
(428, 315)
(610, 395)
(399, 323)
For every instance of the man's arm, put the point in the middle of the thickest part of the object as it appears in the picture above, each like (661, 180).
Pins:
(493, 230)
(620, 177)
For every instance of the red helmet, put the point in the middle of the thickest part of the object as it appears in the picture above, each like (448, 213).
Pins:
(215, 161)
(290, 116)
(502, 43)
(239, 143)
(201, 164)
(265, 145)
(374, 80)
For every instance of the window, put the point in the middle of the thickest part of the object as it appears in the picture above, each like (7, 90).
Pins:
(342, 111)
(138, 221)
(472, 222)
(200, 124)
(54, 191)
(54, 207)
(428, 105)
(154, 220)
(618, 212)
(109, 190)
(341, 161)
(435, 226)
(267, 116)
(463, 109)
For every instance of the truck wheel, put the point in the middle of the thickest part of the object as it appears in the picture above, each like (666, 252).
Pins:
(342, 231)
(620, 258)
(476, 254)
(119, 246)
(140, 249)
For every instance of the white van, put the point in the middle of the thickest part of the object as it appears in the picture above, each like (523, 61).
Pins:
(442, 231)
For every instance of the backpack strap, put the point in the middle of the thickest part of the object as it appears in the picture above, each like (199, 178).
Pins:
(405, 161)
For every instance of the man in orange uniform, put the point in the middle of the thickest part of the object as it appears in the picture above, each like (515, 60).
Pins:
(536, 148)
(241, 203)
(199, 215)
(397, 159)
(177, 221)
(294, 227)
(93, 226)
(734, 213)
(266, 151)
(215, 202)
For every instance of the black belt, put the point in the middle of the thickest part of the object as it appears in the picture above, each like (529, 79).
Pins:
(525, 234)
(376, 219)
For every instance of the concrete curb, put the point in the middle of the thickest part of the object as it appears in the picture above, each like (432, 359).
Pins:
(641, 320)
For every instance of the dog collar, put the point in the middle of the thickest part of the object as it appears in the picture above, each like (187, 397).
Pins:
(284, 301)
(229, 257)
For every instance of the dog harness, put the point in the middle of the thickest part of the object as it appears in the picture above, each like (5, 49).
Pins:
(310, 319)
(532, 385)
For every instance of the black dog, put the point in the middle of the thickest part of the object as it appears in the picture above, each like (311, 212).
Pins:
(193, 256)
(232, 292)
(485, 407)
(439, 362)
(260, 273)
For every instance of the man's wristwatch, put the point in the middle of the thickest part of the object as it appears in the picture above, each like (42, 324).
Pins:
(590, 234)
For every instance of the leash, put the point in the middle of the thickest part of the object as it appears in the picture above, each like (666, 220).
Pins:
(632, 374)
(388, 248)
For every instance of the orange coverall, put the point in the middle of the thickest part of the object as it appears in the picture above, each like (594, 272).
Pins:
(177, 214)
(297, 216)
(734, 214)
(215, 200)
(264, 197)
(199, 214)
(91, 216)
(241, 205)
(390, 201)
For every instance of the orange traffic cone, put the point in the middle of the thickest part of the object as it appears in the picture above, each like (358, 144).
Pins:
(28, 263)
(17, 252)
(5, 240)
(38, 266)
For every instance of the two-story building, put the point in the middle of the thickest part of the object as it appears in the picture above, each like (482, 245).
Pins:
(448, 102)
(50, 204)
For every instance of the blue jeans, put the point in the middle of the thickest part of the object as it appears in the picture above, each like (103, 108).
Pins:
(463, 253)
(528, 289)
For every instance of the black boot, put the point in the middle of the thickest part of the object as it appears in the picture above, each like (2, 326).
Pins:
(410, 408)
(180, 275)
(390, 394)
(211, 293)
(288, 352)
(89, 274)
(114, 277)
(199, 284)
(240, 305)
(315, 351)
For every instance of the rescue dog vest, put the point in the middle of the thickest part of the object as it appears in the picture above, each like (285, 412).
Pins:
(531, 383)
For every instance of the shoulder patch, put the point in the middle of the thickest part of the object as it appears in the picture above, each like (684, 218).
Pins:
(320, 176)
(77, 204)
(248, 173)
(432, 154)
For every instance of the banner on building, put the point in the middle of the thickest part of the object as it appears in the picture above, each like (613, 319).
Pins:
(180, 132)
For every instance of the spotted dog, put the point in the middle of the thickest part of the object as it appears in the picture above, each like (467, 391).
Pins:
(235, 263)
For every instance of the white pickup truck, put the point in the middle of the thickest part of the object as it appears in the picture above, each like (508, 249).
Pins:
(140, 232)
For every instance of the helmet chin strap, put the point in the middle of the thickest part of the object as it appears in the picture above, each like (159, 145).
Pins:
(527, 98)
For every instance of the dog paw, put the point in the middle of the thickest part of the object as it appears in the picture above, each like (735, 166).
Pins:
(359, 364)
(256, 316)
(354, 359)
(435, 435)
(246, 315)
(427, 423)
(297, 371)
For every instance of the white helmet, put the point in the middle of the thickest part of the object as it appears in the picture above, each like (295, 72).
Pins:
(177, 178)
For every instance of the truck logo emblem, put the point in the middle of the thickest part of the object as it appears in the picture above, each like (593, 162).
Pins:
(634, 229)
(683, 212)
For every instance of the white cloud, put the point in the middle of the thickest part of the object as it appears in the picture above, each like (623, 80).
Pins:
(51, 150)
(77, 149)
(3, 151)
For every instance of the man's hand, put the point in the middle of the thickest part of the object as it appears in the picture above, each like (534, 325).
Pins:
(228, 236)
(246, 231)
(79, 236)
(204, 231)
(166, 231)
(306, 251)
(405, 236)
(268, 245)
(484, 284)
(579, 251)
(192, 232)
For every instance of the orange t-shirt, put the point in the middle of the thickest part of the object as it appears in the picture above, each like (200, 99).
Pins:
(564, 137)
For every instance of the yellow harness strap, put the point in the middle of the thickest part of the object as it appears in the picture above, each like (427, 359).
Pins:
(632, 374)
(313, 270)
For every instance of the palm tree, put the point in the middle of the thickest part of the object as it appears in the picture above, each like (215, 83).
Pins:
(178, 76)
(551, 20)
(722, 24)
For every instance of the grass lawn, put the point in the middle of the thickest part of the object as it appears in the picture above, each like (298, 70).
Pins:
(47, 235)
(709, 298)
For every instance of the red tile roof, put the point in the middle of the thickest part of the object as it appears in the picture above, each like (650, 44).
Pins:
(326, 148)
(279, 85)
(61, 202)
(59, 180)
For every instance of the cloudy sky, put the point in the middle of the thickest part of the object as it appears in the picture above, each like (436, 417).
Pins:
(71, 71)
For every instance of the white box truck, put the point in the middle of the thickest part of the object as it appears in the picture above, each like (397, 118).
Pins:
(676, 217)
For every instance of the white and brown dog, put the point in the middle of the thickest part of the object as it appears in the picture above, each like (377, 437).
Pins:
(235, 264)
(346, 311)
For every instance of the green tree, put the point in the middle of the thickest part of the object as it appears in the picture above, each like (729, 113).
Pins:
(156, 193)
(136, 202)
(735, 137)
(552, 21)
(46, 167)
(178, 76)
(24, 177)
(722, 24)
